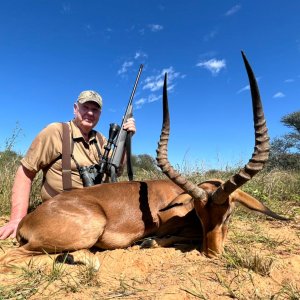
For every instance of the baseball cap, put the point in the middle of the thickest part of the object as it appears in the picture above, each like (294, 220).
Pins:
(86, 96)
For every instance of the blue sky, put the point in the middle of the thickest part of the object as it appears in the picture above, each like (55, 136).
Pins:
(52, 50)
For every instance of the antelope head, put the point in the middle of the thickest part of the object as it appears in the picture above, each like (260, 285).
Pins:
(214, 199)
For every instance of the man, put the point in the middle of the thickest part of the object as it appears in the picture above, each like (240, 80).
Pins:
(45, 153)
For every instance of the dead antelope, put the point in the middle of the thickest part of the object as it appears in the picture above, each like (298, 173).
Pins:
(116, 215)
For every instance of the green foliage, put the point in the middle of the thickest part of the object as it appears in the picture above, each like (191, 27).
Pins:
(144, 162)
(9, 163)
(285, 151)
(292, 120)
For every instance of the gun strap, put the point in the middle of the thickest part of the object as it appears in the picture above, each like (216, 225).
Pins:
(113, 175)
(66, 163)
(128, 154)
(100, 138)
(66, 158)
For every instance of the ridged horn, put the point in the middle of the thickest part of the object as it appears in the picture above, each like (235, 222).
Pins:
(162, 155)
(261, 149)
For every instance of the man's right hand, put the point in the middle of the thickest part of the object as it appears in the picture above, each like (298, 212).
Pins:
(19, 202)
(9, 230)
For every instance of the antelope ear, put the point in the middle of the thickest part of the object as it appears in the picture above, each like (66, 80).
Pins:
(182, 199)
(254, 204)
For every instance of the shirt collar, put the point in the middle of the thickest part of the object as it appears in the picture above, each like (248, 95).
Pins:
(76, 133)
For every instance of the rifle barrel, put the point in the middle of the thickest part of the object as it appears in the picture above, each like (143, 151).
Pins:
(135, 84)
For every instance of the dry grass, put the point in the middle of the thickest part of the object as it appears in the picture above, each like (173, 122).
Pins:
(40, 280)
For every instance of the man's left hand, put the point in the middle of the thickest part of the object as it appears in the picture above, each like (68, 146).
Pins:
(129, 125)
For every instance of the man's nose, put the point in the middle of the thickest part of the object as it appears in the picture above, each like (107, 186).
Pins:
(90, 112)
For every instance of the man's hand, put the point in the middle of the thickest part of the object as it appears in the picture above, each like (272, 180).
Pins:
(129, 125)
(19, 202)
(9, 230)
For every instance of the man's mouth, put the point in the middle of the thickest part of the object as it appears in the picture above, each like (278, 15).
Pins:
(89, 120)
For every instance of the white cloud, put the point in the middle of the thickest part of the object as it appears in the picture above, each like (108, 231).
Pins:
(155, 27)
(137, 55)
(153, 98)
(154, 83)
(89, 29)
(279, 95)
(139, 103)
(233, 10)
(213, 65)
(140, 54)
(161, 7)
(125, 66)
(66, 8)
(289, 80)
(210, 35)
(142, 31)
(245, 88)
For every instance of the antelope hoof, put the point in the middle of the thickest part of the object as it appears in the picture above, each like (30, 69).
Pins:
(149, 243)
(87, 259)
(65, 258)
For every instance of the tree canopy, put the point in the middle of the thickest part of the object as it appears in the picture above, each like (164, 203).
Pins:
(285, 150)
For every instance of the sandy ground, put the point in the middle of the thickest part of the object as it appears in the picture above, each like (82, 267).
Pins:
(179, 272)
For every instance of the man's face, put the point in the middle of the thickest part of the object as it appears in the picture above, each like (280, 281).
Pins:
(87, 115)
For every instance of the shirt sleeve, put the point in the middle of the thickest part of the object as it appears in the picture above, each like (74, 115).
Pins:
(45, 148)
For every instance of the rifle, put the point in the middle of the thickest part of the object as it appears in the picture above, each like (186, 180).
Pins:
(119, 139)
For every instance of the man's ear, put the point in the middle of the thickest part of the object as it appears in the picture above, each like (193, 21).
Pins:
(75, 108)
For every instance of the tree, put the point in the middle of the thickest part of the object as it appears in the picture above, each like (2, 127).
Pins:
(293, 121)
(145, 162)
(285, 150)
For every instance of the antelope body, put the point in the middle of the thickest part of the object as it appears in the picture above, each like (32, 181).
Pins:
(116, 215)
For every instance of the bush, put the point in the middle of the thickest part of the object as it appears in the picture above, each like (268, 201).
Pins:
(9, 162)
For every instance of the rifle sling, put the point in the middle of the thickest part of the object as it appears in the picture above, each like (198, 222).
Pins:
(128, 154)
(66, 158)
(66, 163)
(99, 136)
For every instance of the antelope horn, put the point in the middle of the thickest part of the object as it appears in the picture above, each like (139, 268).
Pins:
(261, 149)
(162, 155)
